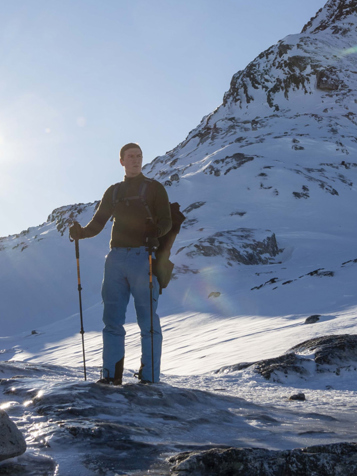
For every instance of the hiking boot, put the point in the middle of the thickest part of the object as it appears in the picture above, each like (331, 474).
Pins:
(109, 381)
(139, 376)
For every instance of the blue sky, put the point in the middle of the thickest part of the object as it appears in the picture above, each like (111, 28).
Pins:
(81, 78)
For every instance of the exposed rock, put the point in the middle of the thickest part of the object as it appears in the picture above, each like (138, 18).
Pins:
(330, 349)
(298, 396)
(214, 294)
(227, 164)
(328, 80)
(193, 206)
(331, 354)
(241, 214)
(333, 12)
(64, 216)
(320, 273)
(323, 460)
(285, 364)
(303, 194)
(184, 269)
(12, 442)
(30, 464)
(312, 319)
(241, 246)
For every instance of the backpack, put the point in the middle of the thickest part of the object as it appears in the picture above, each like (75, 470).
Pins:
(162, 266)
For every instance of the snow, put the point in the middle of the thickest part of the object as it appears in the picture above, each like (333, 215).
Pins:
(245, 173)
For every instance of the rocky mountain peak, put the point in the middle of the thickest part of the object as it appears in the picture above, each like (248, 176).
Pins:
(333, 13)
(300, 62)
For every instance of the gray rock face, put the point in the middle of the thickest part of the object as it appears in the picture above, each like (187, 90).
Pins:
(335, 459)
(12, 443)
(333, 354)
(330, 349)
(64, 216)
(243, 245)
(312, 319)
(334, 11)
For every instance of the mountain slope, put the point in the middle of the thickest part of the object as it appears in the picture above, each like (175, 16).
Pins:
(267, 182)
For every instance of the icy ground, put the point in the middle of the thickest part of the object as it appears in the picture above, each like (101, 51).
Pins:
(77, 427)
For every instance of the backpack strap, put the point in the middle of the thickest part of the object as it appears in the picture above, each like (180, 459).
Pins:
(142, 196)
(116, 188)
(119, 197)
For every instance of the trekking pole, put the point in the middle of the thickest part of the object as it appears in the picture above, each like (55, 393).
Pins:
(151, 312)
(80, 306)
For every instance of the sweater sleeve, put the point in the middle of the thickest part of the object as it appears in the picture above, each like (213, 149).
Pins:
(162, 210)
(101, 216)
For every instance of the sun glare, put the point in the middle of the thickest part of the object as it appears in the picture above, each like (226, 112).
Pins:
(349, 51)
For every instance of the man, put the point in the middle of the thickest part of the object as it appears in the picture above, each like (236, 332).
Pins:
(141, 214)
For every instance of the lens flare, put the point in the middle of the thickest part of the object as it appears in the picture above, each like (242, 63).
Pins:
(349, 51)
(207, 293)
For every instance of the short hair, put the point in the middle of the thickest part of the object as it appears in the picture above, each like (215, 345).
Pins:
(125, 147)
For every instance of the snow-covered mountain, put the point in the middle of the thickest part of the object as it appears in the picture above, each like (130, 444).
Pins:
(267, 182)
(268, 178)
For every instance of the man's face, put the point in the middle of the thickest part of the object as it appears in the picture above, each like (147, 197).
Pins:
(132, 161)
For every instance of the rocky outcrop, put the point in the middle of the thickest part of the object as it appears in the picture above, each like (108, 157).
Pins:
(334, 12)
(331, 349)
(65, 216)
(332, 460)
(331, 354)
(242, 245)
(12, 443)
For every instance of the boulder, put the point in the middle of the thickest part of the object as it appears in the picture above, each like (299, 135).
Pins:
(335, 459)
(12, 442)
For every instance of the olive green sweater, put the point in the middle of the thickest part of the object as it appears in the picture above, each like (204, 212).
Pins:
(129, 217)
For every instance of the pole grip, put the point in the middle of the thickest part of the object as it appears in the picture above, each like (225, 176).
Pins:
(78, 270)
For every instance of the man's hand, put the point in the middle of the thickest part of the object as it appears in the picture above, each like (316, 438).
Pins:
(76, 231)
(151, 230)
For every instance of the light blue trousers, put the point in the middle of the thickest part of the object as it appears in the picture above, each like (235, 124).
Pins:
(127, 272)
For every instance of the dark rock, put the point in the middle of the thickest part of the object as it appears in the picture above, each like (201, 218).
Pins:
(312, 319)
(323, 460)
(241, 214)
(320, 272)
(271, 281)
(214, 294)
(30, 464)
(332, 13)
(298, 396)
(193, 206)
(331, 355)
(328, 80)
(228, 163)
(189, 223)
(240, 246)
(285, 364)
(64, 216)
(330, 349)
